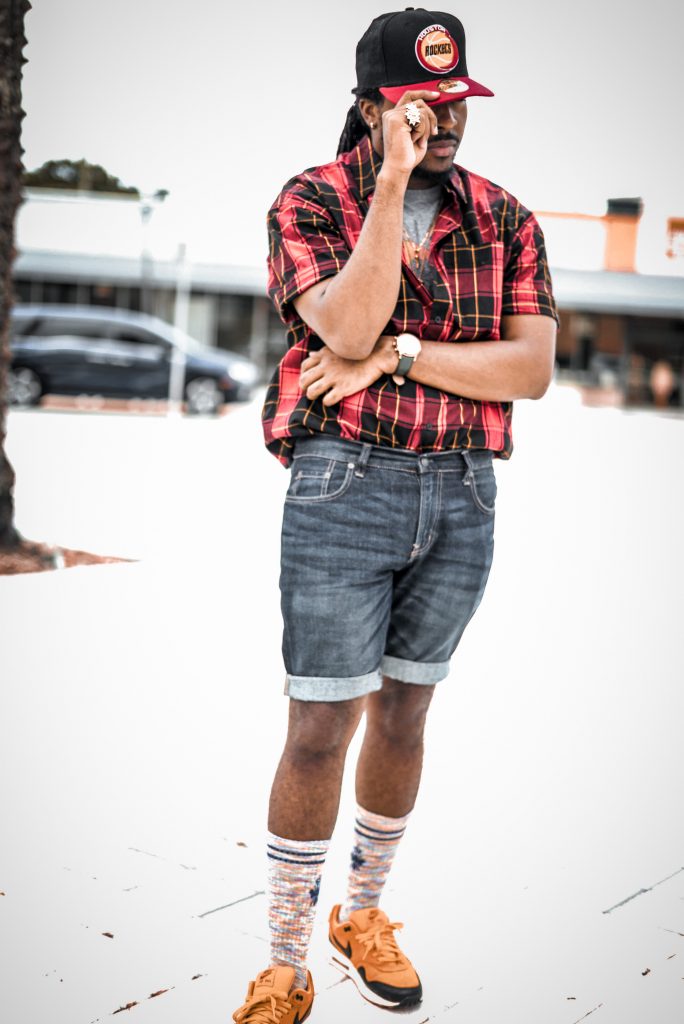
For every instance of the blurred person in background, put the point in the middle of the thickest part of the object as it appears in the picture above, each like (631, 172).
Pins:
(418, 303)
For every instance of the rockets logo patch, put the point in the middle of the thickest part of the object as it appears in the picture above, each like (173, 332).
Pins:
(436, 50)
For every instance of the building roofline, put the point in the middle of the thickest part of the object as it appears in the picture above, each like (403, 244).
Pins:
(124, 270)
(589, 291)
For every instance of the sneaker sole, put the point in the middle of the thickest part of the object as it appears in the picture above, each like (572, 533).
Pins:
(347, 968)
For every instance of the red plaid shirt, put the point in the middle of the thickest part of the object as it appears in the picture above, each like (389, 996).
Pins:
(488, 253)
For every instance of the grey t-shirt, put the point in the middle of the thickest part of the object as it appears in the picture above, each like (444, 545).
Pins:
(421, 206)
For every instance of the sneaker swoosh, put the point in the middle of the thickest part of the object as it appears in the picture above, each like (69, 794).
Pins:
(347, 951)
(298, 1019)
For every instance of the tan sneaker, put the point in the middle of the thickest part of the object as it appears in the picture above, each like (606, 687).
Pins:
(368, 953)
(273, 999)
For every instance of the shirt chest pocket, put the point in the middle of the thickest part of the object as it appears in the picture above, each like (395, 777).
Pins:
(475, 277)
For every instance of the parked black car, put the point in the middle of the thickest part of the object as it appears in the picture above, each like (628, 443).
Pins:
(86, 350)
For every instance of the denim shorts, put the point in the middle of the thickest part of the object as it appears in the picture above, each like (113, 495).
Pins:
(385, 556)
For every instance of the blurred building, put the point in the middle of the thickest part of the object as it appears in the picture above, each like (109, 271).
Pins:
(228, 306)
(91, 249)
(621, 331)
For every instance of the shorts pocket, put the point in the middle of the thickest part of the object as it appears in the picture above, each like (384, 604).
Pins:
(315, 478)
(481, 482)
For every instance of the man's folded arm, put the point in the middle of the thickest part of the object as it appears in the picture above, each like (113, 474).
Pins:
(520, 365)
(349, 310)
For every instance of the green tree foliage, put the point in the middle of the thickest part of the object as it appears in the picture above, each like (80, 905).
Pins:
(76, 175)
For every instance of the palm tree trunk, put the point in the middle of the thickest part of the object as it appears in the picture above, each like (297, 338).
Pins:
(12, 42)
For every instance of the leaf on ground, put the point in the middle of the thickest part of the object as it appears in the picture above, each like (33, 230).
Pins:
(128, 1006)
(108, 934)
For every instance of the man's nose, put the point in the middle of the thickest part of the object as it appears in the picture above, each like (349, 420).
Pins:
(447, 115)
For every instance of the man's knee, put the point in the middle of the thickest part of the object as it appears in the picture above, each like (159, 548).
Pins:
(322, 729)
(399, 710)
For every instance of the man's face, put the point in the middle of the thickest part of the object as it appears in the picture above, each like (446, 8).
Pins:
(441, 151)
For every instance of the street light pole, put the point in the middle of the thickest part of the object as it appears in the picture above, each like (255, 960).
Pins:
(180, 323)
(148, 204)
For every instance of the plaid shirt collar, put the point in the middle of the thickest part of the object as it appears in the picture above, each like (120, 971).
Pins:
(364, 164)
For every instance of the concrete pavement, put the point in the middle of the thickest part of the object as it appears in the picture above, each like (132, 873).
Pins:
(541, 879)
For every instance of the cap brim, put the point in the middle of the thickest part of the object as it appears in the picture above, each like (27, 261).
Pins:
(461, 89)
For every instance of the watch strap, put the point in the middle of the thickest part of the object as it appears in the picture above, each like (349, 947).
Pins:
(404, 365)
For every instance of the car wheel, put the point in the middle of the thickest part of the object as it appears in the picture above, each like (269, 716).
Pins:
(24, 386)
(204, 396)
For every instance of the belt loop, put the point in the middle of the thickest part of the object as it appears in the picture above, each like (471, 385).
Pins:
(362, 460)
(470, 469)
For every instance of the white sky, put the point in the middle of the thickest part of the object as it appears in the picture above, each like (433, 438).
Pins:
(222, 103)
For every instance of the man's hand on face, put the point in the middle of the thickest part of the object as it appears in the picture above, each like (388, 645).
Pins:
(404, 147)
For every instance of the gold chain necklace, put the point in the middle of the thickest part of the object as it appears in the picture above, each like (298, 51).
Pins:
(416, 248)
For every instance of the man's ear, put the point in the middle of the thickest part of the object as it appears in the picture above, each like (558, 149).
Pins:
(371, 112)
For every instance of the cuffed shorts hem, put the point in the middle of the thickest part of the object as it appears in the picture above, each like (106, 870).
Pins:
(331, 687)
(426, 672)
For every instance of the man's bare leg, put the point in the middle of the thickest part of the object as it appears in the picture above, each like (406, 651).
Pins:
(387, 779)
(391, 759)
(305, 796)
(304, 802)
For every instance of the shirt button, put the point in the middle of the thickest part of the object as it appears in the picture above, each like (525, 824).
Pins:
(429, 426)
(438, 319)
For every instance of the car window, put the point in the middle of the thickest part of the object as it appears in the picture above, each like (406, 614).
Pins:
(22, 325)
(135, 335)
(61, 327)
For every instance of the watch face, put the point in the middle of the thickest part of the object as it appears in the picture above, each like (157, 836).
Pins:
(408, 345)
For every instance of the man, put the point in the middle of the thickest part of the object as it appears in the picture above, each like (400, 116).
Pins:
(419, 306)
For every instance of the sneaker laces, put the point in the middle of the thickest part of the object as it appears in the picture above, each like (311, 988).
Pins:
(266, 1009)
(380, 939)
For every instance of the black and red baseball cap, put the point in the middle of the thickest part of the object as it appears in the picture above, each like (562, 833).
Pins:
(415, 49)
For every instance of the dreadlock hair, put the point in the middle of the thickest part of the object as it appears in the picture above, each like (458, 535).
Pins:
(355, 127)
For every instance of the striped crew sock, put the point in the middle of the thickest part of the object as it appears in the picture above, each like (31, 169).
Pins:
(294, 880)
(377, 839)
